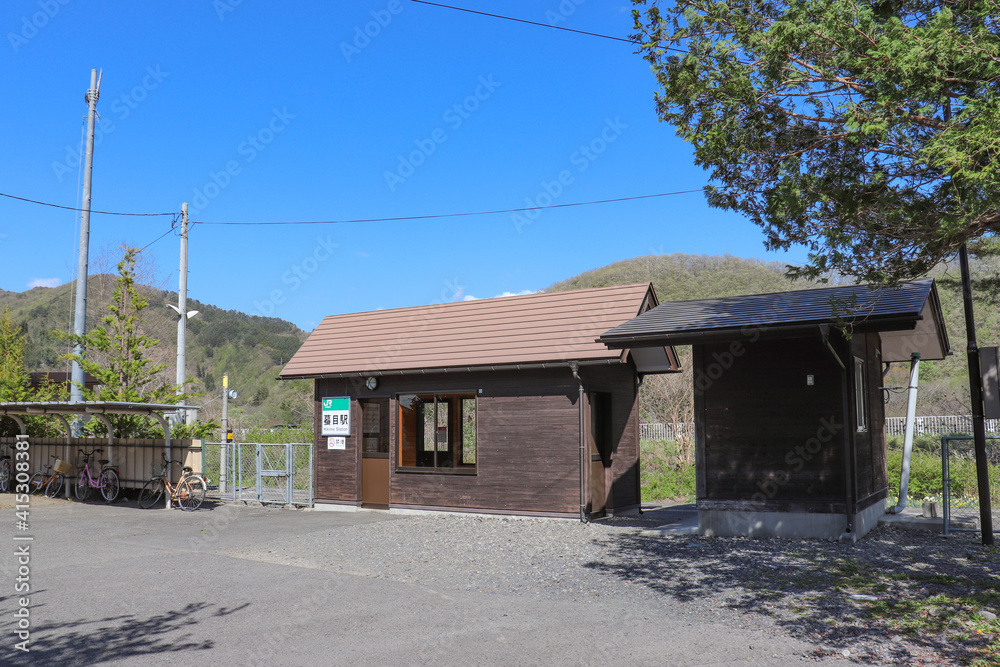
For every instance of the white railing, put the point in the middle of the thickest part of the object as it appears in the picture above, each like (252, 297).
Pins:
(673, 431)
(940, 425)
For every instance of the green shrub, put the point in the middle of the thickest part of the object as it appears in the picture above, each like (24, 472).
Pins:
(926, 478)
(664, 475)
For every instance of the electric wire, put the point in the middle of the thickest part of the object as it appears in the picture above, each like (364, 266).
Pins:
(431, 216)
(543, 25)
(447, 215)
(74, 208)
(511, 18)
(172, 227)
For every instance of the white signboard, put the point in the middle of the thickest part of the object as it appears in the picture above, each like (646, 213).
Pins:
(336, 416)
(336, 443)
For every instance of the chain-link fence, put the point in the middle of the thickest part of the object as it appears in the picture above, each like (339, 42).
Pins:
(260, 472)
(961, 485)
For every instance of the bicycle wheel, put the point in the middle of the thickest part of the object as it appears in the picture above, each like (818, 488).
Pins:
(191, 492)
(152, 493)
(82, 487)
(54, 486)
(4, 476)
(36, 482)
(110, 486)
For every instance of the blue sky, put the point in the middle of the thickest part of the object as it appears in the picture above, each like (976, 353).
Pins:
(251, 111)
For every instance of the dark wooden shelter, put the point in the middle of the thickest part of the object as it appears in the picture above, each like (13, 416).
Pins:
(789, 409)
(505, 405)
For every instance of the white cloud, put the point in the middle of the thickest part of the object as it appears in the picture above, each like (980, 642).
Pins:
(44, 282)
(521, 293)
(469, 297)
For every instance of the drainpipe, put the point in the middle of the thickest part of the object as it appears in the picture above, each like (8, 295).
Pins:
(575, 368)
(911, 418)
(848, 533)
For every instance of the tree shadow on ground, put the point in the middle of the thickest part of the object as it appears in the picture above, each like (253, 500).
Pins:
(112, 638)
(806, 587)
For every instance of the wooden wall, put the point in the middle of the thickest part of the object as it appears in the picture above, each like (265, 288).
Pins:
(763, 433)
(528, 457)
(767, 438)
(869, 446)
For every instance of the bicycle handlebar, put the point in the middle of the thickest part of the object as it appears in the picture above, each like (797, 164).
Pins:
(90, 453)
(164, 457)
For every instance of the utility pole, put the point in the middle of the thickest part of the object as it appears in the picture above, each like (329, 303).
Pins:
(225, 459)
(83, 261)
(182, 312)
(976, 396)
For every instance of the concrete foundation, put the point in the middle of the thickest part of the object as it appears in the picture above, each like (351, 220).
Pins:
(731, 523)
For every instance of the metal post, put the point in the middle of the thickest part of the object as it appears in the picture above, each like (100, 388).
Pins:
(83, 262)
(182, 309)
(911, 417)
(976, 397)
(945, 486)
(223, 477)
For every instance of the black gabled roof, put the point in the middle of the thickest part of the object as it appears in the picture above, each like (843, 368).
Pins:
(686, 322)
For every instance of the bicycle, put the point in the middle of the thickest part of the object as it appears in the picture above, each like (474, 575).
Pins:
(107, 480)
(5, 470)
(51, 479)
(189, 491)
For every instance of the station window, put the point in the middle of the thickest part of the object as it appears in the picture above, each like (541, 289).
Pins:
(860, 396)
(437, 432)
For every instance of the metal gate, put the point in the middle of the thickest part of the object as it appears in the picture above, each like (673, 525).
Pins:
(960, 502)
(260, 472)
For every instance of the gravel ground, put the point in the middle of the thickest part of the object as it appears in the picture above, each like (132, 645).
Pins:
(916, 587)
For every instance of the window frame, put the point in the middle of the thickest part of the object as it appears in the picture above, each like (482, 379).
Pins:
(860, 395)
(455, 399)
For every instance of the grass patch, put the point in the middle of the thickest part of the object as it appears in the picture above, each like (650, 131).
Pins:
(665, 475)
(924, 604)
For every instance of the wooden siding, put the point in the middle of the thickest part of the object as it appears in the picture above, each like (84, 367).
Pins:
(764, 434)
(528, 457)
(869, 446)
(624, 474)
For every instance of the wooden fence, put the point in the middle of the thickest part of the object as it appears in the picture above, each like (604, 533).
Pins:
(134, 459)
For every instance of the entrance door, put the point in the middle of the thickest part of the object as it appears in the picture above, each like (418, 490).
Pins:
(375, 452)
(600, 452)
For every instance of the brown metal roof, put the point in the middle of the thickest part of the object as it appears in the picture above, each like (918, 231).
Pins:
(530, 329)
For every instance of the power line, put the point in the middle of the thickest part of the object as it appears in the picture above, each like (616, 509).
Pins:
(511, 18)
(450, 215)
(73, 208)
(160, 236)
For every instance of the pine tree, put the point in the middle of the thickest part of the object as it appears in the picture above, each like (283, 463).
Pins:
(117, 356)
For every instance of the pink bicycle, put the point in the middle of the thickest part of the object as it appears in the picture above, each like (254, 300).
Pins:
(107, 481)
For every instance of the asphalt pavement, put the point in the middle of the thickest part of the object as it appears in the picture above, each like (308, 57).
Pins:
(120, 585)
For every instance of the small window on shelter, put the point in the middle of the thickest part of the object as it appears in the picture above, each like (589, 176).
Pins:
(860, 396)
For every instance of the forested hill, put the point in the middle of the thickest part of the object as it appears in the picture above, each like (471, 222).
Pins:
(944, 384)
(249, 348)
(680, 277)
